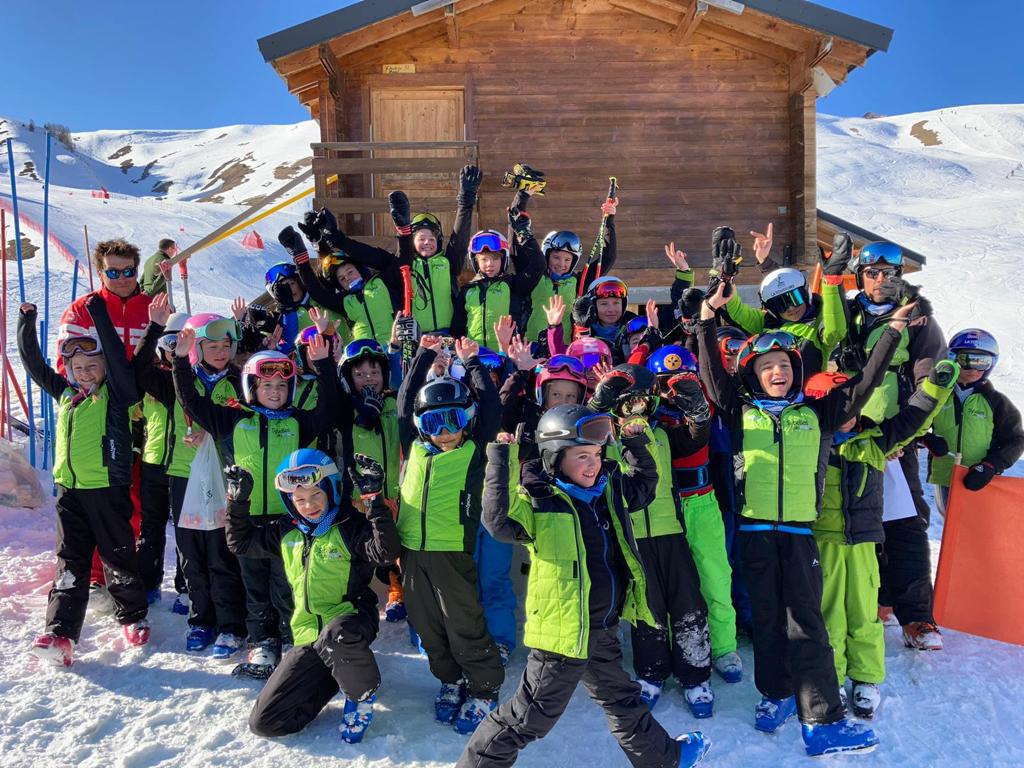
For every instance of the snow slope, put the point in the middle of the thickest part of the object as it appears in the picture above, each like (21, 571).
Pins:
(958, 201)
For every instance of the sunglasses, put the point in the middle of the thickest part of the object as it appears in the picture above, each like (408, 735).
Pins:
(433, 423)
(873, 253)
(565, 363)
(975, 361)
(85, 345)
(888, 273)
(306, 476)
(488, 241)
(114, 274)
(283, 369)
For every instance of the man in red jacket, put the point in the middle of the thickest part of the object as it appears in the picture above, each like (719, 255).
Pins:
(117, 262)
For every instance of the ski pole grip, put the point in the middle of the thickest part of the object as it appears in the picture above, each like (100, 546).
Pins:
(406, 289)
(613, 187)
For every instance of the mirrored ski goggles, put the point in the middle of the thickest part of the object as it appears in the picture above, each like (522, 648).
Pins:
(167, 342)
(779, 304)
(636, 325)
(774, 340)
(281, 272)
(610, 290)
(490, 359)
(872, 253)
(363, 348)
(488, 241)
(305, 476)
(637, 405)
(731, 346)
(114, 274)
(565, 363)
(85, 345)
(218, 330)
(888, 273)
(433, 423)
(283, 368)
(595, 429)
(974, 361)
(591, 359)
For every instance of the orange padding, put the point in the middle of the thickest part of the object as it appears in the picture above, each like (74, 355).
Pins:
(849, 280)
(978, 586)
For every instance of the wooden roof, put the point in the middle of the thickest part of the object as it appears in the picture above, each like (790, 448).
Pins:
(829, 224)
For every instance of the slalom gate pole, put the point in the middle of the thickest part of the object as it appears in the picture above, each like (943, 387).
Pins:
(44, 453)
(21, 293)
(5, 406)
(88, 257)
(183, 269)
(44, 342)
(16, 386)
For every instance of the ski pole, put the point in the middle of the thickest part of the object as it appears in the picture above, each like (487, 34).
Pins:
(21, 294)
(183, 269)
(5, 406)
(597, 249)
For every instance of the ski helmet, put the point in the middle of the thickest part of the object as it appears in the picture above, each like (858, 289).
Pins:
(489, 240)
(431, 223)
(783, 289)
(670, 360)
(307, 468)
(874, 253)
(975, 350)
(566, 426)
(444, 403)
(329, 263)
(276, 287)
(267, 365)
(305, 336)
(609, 287)
(169, 339)
(820, 384)
(83, 344)
(560, 368)
(356, 352)
(563, 240)
(211, 327)
(590, 351)
(763, 343)
(730, 340)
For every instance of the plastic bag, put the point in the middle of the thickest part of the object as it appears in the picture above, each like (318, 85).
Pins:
(206, 500)
(19, 483)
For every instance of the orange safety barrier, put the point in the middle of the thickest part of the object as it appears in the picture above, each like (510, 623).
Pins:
(979, 587)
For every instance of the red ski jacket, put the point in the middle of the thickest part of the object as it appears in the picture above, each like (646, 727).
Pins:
(130, 317)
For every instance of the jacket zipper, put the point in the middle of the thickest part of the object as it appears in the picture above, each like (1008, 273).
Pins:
(423, 504)
(384, 454)
(71, 431)
(777, 427)
(366, 311)
(584, 609)
(264, 444)
(428, 280)
(483, 312)
(607, 565)
(647, 520)
(306, 547)
(958, 414)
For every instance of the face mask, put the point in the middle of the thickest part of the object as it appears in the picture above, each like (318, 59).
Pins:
(356, 285)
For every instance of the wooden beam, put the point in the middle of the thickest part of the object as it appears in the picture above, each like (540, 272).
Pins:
(744, 42)
(304, 80)
(767, 28)
(650, 10)
(451, 27)
(689, 22)
(328, 63)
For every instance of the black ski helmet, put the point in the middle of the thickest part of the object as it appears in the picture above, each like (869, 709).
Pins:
(563, 240)
(275, 280)
(445, 392)
(356, 352)
(566, 426)
(431, 223)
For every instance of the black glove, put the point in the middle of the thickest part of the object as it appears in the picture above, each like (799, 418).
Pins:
(401, 210)
(904, 290)
(292, 242)
(609, 389)
(726, 252)
(689, 303)
(584, 312)
(373, 401)
(309, 226)
(520, 222)
(842, 251)
(944, 373)
(469, 182)
(689, 398)
(239, 483)
(979, 476)
(367, 475)
(936, 444)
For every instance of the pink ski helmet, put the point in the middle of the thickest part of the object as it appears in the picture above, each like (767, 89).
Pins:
(560, 368)
(211, 327)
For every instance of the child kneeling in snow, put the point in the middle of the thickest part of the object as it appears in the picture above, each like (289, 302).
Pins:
(329, 551)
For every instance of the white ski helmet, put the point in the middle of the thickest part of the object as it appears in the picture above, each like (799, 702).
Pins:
(784, 289)
(176, 322)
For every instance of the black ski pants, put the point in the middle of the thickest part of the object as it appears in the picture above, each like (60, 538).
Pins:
(309, 676)
(792, 654)
(268, 599)
(155, 499)
(98, 519)
(443, 601)
(680, 645)
(544, 692)
(216, 594)
(905, 562)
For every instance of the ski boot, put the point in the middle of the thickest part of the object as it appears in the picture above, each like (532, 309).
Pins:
(844, 699)
(729, 666)
(700, 699)
(866, 698)
(770, 714)
(137, 633)
(449, 701)
(198, 639)
(650, 691)
(58, 651)
(473, 712)
(227, 646)
(692, 748)
(394, 612)
(264, 657)
(504, 652)
(181, 605)
(841, 736)
(887, 616)
(356, 719)
(922, 636)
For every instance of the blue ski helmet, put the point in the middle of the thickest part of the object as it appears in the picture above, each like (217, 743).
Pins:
(973, 348)
(670, 360)
(305, 468)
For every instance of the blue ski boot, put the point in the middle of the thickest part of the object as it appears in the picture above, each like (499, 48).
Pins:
(650, 692)
(473, 713)
(180, 605)
(449, 701)
(700, 699)
(692, 748)
(730, 667)
(841, 736)
(356, 719)
(227, 646)
(198, 639)
(770, 714)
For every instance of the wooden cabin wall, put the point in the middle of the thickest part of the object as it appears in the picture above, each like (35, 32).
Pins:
(699, 134)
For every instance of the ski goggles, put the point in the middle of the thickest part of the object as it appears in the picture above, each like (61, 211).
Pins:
(772, 341)
(283, 368)
(305, 476)
(636, 325)
(731, 346)
(360, 348)
(613, 289)
(788, 300)
(637, 405)
(565, 363)
(281, 272)
(426, 221)
(433, 423)
(873, 253)
(595, 429)
(84, 345)
(167, 342)
(218, 330)
(488, 241)
(873, 273)
(490, 359)
(974, 361)
(114, 274)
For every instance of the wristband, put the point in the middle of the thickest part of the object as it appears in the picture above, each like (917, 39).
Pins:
(403, 231)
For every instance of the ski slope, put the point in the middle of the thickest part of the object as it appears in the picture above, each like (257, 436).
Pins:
(959, 201)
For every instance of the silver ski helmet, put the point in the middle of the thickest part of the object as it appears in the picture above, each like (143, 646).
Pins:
(783, 289)
(566, 426)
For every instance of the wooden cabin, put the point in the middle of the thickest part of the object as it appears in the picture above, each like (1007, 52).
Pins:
(703, 109)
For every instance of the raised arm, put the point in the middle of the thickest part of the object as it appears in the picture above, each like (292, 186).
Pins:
(375, 538)
(218, 420)
(32, 356)
(641, 484)
(318, 421)
(120, 375)
(500, 477)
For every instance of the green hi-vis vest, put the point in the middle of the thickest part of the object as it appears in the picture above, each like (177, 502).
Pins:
(306, 393)
(82, 456)
(780, 458)
(261, 444)
(318, 570)
(382, 447)
(884, 402)
(432, 304)
(558, 589)
(435, 505)
(662, 517)
(547, 288)
(485, 303)
(368, 312)
(968, 430)
(165, 439)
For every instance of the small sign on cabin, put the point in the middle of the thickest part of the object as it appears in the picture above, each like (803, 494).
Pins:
(399, 69)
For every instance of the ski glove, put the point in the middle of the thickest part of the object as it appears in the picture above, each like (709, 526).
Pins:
(689, 398)
(842, 250)
(584, 312)
(367, 475)
(293, 243)
(944, 374)
(309, 226)
(610, 389)
(979, 476)
(401, 212)
(520, 222)
(936, 444)
(469, 182)
(239, 483)
(726, 252)
(373, 401)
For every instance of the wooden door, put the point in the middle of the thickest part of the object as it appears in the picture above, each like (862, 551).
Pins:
(420, 114)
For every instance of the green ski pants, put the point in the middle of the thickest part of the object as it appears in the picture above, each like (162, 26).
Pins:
(705, 533)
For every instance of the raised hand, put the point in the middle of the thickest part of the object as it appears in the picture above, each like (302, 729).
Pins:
(239, 483)
(186, 340)
(159, 309)
(519, 353)
(367, 475)
(651, 309)
(609, 206)
(320, 319)
(427, 341)
(842, 252)
(554, 311)
(714, 302)
(271, 341)
(677, 257)
(238, 309)
(466, 348)
(319, 349)
(504, 330)
(763, 243)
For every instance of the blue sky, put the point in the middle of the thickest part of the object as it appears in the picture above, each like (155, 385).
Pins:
(191, 64)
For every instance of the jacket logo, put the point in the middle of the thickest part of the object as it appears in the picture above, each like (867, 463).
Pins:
(814, 563)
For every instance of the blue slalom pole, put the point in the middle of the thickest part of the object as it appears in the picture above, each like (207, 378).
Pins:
(43, 408)
(46, 245)
(74, 282)
(21, 293)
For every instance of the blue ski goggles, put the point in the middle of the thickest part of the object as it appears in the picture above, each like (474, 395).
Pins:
(873, 253)
(305, 476)
(636, 325)
(281, 272)
(488, 241)
(433, 423)
(490, 359)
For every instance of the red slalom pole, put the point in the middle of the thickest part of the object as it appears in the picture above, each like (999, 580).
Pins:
(5, 409)
(88, 257)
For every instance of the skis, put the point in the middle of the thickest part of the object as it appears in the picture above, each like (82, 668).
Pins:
(407, 330)
(597, 249)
